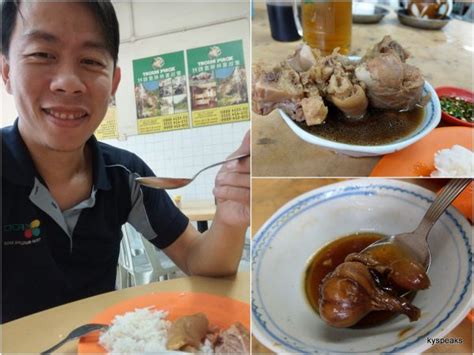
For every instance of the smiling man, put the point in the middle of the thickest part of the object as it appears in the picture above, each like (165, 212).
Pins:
(65, 195)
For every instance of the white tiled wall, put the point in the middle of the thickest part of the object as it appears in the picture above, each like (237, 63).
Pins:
(183, 153)
(179, 153)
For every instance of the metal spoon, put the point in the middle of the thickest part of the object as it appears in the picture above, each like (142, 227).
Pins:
(174, 183)
(77, 333)
(415, 243)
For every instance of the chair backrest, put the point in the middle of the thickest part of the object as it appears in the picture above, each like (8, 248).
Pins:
(163, 267)
(134, 258)
(143, 262)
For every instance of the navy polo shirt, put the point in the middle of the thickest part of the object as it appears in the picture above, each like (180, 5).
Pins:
(51, 257)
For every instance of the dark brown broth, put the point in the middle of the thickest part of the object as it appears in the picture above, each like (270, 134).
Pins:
(376, 128)
(329, 257)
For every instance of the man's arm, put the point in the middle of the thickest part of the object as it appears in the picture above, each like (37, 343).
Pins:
(217, 252)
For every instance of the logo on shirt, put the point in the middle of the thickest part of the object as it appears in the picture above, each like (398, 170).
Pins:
(29, 229)
(33, 229)
(30, 233)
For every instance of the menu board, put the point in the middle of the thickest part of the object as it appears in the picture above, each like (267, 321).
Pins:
(160, 93)
(108, 127)
(218, 84)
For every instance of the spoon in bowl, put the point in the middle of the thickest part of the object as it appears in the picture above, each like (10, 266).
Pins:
(415, 243)
(175, 183)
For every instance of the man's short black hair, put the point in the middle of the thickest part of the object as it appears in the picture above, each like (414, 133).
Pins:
(102, 9)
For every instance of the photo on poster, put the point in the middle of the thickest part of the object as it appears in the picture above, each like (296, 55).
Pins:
(166, 88)
(166, 105)
(179, 85)
(231, 86)
(160, 84)
(180, 103)
(146, 98)
(203, 90)
(218, 84)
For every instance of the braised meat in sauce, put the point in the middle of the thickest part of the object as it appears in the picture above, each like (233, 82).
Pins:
(345, 100)
(348, 288)
(349, 293)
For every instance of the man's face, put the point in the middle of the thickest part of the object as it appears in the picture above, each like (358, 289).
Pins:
(60, 74)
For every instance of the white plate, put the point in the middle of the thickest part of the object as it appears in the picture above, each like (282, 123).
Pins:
(282, 318)
(430, 121)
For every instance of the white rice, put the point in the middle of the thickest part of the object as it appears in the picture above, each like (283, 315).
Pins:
(144, 330)
(206, 348)
(454, 162)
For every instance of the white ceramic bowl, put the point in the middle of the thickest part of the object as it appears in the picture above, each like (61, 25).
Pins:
(282, 318)
(430, 121)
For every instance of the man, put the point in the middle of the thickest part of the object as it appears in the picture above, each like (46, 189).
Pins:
(65, 195)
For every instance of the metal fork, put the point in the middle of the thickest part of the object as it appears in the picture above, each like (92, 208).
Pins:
(77, 333)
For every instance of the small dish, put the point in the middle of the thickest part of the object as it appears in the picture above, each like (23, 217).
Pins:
(430, 121)
(367, 13)
(282, 247)
(426, 24)
(456, 92)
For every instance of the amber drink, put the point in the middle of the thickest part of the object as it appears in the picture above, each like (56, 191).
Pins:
(327, 24)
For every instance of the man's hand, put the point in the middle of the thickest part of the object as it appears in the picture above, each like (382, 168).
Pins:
(217, 251)
(232, 189)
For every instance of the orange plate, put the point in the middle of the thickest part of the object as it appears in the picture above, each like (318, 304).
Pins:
(418, 160)
(470, 315)
(220, 311)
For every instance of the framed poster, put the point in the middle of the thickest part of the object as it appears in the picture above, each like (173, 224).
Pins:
(218, 84)
(160, 93)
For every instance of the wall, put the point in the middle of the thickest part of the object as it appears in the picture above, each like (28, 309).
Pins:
(183, 153)
(151, 28)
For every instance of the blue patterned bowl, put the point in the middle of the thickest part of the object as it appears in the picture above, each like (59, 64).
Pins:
(283, 320)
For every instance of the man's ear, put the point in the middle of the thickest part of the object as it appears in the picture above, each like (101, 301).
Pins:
(116, 80)
(6, 73)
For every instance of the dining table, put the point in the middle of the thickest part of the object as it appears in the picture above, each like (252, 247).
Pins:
(265, 202)
(40, 331)
(444, 57)
(199, 211)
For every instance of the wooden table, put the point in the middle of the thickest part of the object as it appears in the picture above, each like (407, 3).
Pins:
(444, 57)
(199, 211)
(268, 195)
(39, 331)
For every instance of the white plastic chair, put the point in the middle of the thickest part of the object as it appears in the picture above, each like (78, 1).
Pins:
(134, 266)
(140, 262)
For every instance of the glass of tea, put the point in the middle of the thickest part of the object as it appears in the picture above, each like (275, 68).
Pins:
(325, 24)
